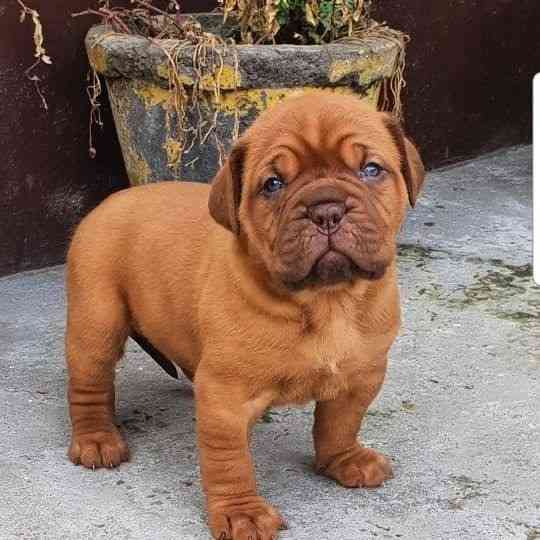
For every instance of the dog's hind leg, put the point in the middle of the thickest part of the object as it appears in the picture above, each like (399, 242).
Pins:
(95, 338)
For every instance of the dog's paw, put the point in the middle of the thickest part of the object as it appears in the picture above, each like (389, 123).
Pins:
(363, 468)
(98, 449)
(245, 519)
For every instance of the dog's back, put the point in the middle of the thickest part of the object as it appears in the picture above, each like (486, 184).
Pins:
(122, 224)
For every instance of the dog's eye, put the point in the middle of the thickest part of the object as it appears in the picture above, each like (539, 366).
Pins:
(371, 170)
(273, 184)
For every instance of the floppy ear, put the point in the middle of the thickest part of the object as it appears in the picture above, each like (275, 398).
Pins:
(412, 167)
(226, 190)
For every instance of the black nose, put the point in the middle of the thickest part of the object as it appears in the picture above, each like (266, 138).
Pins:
(327, 216)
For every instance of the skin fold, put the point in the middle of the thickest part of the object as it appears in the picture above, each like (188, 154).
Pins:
(276, 285)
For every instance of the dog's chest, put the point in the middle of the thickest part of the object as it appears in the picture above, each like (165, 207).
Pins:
(329, 346)
(324, 361)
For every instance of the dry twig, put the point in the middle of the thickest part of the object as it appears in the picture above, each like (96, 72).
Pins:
(39, 50)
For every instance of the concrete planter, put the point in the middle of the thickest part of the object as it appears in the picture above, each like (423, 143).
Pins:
(136, 72)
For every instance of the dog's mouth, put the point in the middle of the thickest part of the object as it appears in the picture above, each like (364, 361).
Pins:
(333, 268)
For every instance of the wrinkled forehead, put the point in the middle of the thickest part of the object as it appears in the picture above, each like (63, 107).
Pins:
(297, 139)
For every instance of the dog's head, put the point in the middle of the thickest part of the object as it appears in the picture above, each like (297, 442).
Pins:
(317, 189)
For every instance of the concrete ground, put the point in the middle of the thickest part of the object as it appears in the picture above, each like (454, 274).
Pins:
(459, 413)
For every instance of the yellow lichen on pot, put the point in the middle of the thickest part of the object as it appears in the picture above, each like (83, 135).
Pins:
(173, 148)
(163, 71)
(97, 58)
(365, 69)
(151, 94)
(257, 100)
(137, 168)
(227, 78)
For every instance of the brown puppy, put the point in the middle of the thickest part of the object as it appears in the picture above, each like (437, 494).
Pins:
(290, 297)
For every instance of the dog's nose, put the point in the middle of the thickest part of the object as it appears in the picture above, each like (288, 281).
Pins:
(327, 216)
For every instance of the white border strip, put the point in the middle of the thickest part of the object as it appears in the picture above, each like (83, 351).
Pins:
(536, 178)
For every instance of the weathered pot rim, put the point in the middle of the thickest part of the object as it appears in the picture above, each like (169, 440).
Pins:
(117, 55)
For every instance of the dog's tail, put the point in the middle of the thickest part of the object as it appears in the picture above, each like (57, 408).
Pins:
(161, 360)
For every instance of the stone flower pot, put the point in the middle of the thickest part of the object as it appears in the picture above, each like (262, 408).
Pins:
(252, 79)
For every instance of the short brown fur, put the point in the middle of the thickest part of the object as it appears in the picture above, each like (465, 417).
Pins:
(270, 307)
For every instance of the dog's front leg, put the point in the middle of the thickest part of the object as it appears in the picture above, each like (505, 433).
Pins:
(337, 423)
(225, 415)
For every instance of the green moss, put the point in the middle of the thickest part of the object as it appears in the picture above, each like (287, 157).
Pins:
(417, 252)
(498, 288)
(266, 418)
(382, 414)
(519, 316)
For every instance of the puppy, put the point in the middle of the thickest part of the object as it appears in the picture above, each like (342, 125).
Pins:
(276, 285)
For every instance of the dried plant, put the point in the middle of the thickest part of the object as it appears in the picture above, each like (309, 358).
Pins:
(201, 101)
(39, 50)
(297, 21)
(173, 33)
(391, 87)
